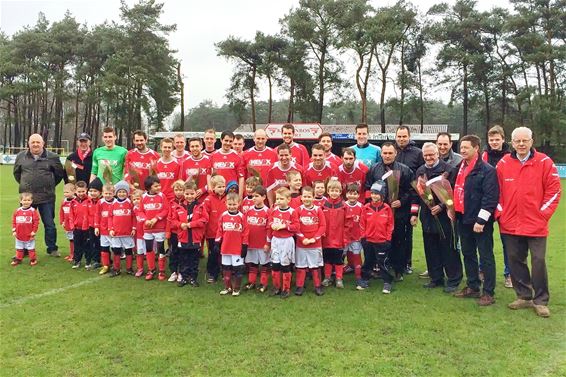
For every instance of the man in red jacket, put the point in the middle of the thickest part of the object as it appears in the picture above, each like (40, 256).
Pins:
(530, 192)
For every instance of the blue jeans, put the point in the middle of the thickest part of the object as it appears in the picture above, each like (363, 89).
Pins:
(47, 213)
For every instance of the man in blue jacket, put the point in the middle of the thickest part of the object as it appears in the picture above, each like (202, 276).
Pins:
(476, 194)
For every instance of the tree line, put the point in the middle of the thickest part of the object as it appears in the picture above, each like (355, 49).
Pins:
(505, 65)
(65, 77)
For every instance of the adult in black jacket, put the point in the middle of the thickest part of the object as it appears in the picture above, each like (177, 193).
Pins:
(407, 151)
(442, 259)
(476, 194)
(402, 233)
(39, 171)
(82, 159)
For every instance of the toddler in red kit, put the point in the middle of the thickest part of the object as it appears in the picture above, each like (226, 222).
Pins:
(25, 222)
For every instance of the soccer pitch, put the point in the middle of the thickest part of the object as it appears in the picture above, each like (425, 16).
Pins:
(58, 321)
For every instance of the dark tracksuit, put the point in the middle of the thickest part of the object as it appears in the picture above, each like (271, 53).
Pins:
(481, 192)
(442, 258)
(401, 241)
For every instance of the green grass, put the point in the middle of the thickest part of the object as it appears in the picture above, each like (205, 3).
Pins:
(58, 321)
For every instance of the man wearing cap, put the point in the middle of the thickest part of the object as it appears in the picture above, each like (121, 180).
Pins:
(81, 159)
(110, 157)
(39, 171)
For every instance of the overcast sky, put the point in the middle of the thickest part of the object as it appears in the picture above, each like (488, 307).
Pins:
(200, 24)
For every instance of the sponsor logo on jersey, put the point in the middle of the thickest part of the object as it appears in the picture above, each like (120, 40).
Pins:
(24, 219)
(309, 220)
(260, 162)
(225, 164)
(122, 212)
(257, 220)
(232, 226)
(166, 175)
(140, 164)
(152, 206)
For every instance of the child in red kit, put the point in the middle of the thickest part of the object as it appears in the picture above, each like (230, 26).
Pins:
(214, 205)
(140, 223)
(295, 182)
(233, 250)
(155, 208)
(248, 201)
(312, 226)
(101, 225)
(172, 230)
(79, 223)
(319, 193)
(377, 229)
(352, 231)
(92, 253)
(25, 222)
(65, 217)
(256, 238)
(190, 219)
(122, 225)
(333, 242)
(282, 224)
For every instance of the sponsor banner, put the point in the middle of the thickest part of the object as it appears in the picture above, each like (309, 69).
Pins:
(10, 159)
(303, 131)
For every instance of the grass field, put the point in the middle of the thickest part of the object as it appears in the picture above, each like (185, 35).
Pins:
(58, 321)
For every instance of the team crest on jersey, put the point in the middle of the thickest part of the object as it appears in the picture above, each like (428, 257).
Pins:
(24, 219)
(104, 213)
(66, 210)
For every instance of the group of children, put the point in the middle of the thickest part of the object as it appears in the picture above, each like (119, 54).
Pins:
(307, 230)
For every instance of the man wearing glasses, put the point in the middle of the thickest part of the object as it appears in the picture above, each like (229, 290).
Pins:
(529, 195)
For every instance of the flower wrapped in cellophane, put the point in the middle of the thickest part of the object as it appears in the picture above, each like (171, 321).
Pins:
(425, 193)
(444, 192)
(70, 169)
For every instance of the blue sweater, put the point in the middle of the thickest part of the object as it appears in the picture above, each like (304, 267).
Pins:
(369, 154)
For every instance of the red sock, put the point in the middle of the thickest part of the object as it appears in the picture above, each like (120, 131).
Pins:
(301, 276)
(357, 261)
(19, 254)
(275, 279)
(116, 260)
(139, 261)
(339, 271)
(32, 255)
(350, 258)
(162, 263)
(129, 260)
(105, 258)
(150, 256)
(327, 270)
(252, 274)
(316, 277)
(227, 278)
(287, 281)
(264, 276)
(71, 249)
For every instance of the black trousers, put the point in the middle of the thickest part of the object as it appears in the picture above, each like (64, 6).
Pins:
(402, 230)
(472, 244)
(442, 259)
(213, 261)
(377, 253)
(94, 249)
(525, 282)
(408, 246)
(173, 252)
(188, 262)
(82, 245)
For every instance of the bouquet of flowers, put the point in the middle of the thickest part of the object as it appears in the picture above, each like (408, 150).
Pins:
(153, 167)
(193, 175)
(253, 172)
(425, 193)
(392, 177)
(107, 171)
(70, 169)
(443, 191)
(134, 177)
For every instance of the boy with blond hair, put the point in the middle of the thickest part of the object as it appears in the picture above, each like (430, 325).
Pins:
(25, 222)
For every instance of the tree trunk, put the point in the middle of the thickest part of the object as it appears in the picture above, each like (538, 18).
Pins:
(270, 100)
(252, 96)
(291, 105)
(382, 99)
(182, 91)
(77, 115)
(321, 85)
(465, 104)
(487, 109)
(421, 101)
(363, 98)
(402, 100)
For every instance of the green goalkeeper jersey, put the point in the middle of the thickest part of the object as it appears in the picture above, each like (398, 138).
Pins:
(114, 158)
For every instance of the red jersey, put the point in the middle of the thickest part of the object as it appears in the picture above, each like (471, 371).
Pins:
(155, 206)
(319, 202)
(255, 235)
(246, 204)
(352, 230)
(80, 213)
(214, 206)
(228, 164)
(141, 163)
(198, 170)
(173, 206)
(287, 216)
(102, 216)
(260, 161)
(312, 174)
(231, 232)
(334, 160)
(312, 224)
(25, 221)
(92, 211)
(122, 218)
(180, 159)
(377, 222)
(357, 175)
(276, 177)
(335, 213)
(295, 200)
(197, 218)
(168, 173)
(299, 154)
(140, 222)
(65, 214)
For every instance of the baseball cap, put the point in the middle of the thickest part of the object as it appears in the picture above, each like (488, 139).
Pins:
(84, 136)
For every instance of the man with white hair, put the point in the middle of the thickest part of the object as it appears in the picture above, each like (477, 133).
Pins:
(442, 259)
(39, 171)
(530, 192)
